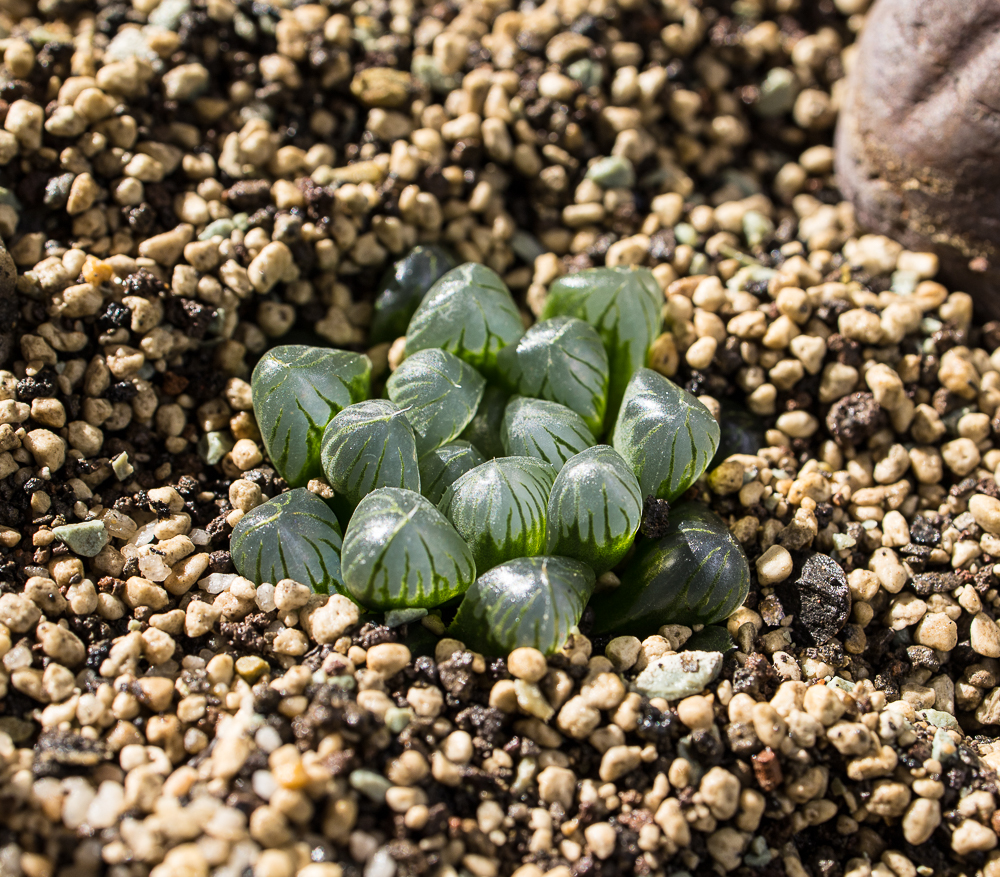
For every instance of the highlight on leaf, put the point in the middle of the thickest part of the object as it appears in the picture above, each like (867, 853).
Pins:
(442, 467)
(545, 430)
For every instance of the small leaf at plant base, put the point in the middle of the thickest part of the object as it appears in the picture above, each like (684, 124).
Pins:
(696, 574)
(545, 430)
(595, 509)
(439, 395)
(367, 446)
(293, 536)
(403, 288)
(562, 360)
(399, 551)
(529, 601)
(468, 312)
(442, 467)
(484, 429)
(296, 391)
(623, 304)
(667, 436)
(499, 508)
(711, 638)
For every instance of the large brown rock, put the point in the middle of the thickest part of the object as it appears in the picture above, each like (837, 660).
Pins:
(918, 139)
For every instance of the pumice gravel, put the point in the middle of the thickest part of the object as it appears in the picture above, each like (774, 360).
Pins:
(187, 185)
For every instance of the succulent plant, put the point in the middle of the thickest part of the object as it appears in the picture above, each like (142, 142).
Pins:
(404, 287)
(451, 477)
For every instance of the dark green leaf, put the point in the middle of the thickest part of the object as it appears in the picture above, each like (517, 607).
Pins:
(696, 574)
(742, 432)
(595, 509)
(529, 601)
(442, 467)
(296, 392)
(400, 551)
(439, 395)
(293, 536)
(667, 436)
(468, 312)
(367, 446)
(623, 304)
(484, 429)
(562, 360)
(546, 430)
(404, 287)
(499, 508)
(713, 638)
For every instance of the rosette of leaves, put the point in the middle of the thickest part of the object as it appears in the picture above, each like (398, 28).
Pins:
(562, 360)
(696, 574)
(367, 446)
(667, 436)
(439, 395)
(469, 312)
(292, 536)
(623, 305)
(499, 508)
(542, 429)
(595, 509)
(400, 551)
(296, 392)
(442, 467)
(528, 601)
(484, 429)
(404, 287)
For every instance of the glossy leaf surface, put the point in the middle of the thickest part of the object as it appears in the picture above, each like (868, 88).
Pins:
(499, 508)
(439, 395)
(442, 467)
(623, 304)
(545, 430)
(595, 509)
(292, 536)
(530, 601)
(404, 287)
(296, 391)
(484, 429)
(696, 574)
(468, 312)
(400, 551)
(667, 436)
(562, 360)
(367, 446)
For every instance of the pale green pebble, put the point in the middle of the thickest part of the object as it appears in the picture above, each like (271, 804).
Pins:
(121, 466)
(756, 227)
(777, 93)
(213, 446)
(679, 675)
(940, 719)
(588, 73)
(685, 233)
(700, 264)
(372, 785)
(168, 14)
(943, 748)
(9, 199)
(425, 68)
(86, 538)
(398, 617)
(904, 282)
(526, 246)
(244, 27)
(612, 172)
(843, 540)
(759, 854)
(241, 221)
(221, 227)
(397, 718)
(135, 624)
(348, 683)
(841, 683)
(525, 777)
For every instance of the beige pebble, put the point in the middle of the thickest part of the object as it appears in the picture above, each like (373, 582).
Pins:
(937, 631)
(528, 664)
(984, 636)
(986, 511)
(388, 658)
(774, 565)
(601, 838)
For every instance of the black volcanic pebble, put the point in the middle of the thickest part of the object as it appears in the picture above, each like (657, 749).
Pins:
(854, 419)
(819, 600)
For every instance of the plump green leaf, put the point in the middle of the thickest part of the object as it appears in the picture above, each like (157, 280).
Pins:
(595, 509)
(293, 536)
(404, 287)
(741, 431)
(667, 436)
(468, 312)
(400, 551)
(296, 391)
(529, 601)
(439, 395)
(442, 467)
(484, 429)
(696, 574)
(711, 638)
(562, 360)
(499, 508)
(367, 446)
(542, 429)
(623, 304)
